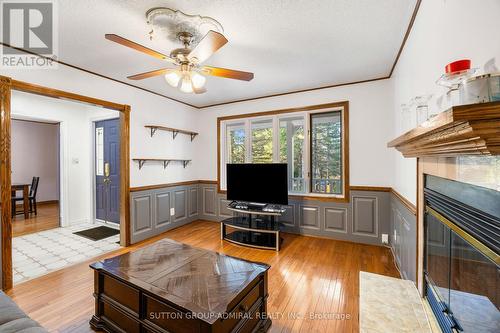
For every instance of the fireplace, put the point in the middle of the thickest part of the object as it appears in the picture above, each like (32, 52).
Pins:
(461, 261)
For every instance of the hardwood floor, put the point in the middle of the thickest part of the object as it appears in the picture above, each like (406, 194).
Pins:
(309, 276)
(47, 218)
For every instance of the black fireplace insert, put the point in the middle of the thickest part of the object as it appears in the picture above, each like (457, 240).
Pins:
(462, 262)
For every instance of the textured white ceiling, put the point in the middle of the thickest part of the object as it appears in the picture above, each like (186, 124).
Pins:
(289, 45)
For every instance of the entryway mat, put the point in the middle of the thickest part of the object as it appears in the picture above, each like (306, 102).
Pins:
(97, 233)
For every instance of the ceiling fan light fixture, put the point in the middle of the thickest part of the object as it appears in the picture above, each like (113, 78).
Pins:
(198, 80)
(186, 84)
(173, 78)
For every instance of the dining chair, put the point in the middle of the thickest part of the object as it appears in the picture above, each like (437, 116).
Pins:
(31, 198)
(32, 194)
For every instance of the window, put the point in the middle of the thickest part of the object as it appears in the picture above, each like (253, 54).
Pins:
(236, 149)
(326, 153)
(291, 140)
(262, 141)
(312, 141)
(99, 151)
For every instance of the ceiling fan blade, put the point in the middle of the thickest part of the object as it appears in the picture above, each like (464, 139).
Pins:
(146, 75)
(138, 47)
(207, 46)
(227, 73)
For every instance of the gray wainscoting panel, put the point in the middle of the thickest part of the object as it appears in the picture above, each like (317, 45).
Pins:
(162, 204)
(364, 219)
(403, 238)
(365, 215)
(142, 213)
(309, 217)
(150, 210)
(180, 204)
(336, 219)
(193, 201)
(209, 194)
(288, 218)
(319, 217)
(223, 211)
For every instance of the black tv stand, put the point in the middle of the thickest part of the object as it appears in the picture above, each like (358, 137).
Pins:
(256, 228)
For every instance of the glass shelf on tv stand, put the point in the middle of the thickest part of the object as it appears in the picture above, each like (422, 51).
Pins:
(254, 229)
(256, 211)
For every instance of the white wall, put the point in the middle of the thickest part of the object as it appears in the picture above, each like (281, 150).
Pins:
(443, 31)
(370, 127)
(146, 108)
(35, 153)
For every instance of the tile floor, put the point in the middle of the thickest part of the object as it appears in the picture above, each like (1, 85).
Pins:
(37, 254)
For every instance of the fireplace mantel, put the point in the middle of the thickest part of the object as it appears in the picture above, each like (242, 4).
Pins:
(472, 129)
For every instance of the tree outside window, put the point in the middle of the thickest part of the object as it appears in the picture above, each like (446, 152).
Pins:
(262, 141)
(326, 153)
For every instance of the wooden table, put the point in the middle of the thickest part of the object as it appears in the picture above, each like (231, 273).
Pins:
(173, 287)
(25, 188)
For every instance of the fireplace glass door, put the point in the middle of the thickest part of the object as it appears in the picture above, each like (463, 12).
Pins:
(464, 282)
(474, 288)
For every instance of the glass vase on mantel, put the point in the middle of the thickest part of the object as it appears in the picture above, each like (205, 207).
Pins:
(406, 123)
(420, 104)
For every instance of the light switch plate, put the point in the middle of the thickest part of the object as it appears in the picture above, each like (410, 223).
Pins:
(395, 235)
(385, 238)
(172, 211)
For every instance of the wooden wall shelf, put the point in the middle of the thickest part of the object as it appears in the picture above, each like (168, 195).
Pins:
(174, 131)
(165, 161)
(472, 129)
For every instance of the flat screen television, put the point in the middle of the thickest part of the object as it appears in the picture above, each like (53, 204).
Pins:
(258, 183)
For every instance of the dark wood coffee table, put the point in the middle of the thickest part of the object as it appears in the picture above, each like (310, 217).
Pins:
(173, 287)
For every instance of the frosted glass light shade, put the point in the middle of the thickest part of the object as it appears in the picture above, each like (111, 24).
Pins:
(186, 85)
(173, 78)
(198, 80)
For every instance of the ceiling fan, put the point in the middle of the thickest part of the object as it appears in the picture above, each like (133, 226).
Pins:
(189, 73)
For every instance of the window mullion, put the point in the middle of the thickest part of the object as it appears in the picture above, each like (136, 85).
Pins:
(225, 156)
(248, 141)
(276, 141)
(307, 153)
(289, 153)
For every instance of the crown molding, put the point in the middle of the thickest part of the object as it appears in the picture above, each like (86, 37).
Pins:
(199, 107)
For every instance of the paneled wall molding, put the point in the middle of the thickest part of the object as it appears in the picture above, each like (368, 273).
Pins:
(403, 237)
(363, 219)
(158, 186)
(411, 207)
(405, 201)
(365, 215)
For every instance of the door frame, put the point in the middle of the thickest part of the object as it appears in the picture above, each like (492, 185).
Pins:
(93, 205)
(8, 84)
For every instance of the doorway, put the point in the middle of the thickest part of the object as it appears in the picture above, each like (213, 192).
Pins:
(7, 86)
(35, 175)
(107, 171)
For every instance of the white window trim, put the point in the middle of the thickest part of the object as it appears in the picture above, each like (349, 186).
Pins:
(306, 115)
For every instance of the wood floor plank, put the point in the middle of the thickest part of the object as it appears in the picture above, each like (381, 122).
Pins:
(47, 218)
(309, 275)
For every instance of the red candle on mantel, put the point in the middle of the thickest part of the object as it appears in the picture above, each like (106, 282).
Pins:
(457, 66)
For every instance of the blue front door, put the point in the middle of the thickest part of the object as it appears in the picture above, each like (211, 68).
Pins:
(107, 157)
